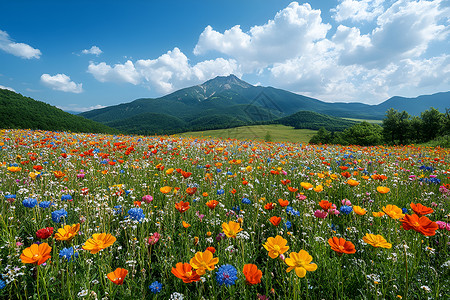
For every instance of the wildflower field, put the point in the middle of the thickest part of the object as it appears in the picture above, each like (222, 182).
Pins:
(87, 216)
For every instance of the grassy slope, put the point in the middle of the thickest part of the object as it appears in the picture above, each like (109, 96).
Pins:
(278, 133)
(365, 120)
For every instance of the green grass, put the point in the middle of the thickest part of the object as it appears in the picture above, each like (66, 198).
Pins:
(366, 120)
(273, 133)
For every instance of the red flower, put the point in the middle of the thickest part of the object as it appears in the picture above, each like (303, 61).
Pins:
(346, 174)
(182, 206)
(423, 225)
(252, 274)
(269, 206)
(191, 190)
(211, 249)
(326, 205)
(340, 245)
(420, 209)
(283, 203)
(275, 220)
(212, 204)
(44, 233)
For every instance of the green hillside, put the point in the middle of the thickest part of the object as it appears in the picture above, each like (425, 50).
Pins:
(313, 120)
(17, 111)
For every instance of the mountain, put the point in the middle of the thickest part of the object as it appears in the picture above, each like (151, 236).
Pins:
(227, 101)
(414, 106)
(17, 111)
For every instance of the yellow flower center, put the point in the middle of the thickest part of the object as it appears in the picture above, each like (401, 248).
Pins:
(276, 248)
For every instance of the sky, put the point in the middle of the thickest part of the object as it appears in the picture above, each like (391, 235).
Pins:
(82, 55)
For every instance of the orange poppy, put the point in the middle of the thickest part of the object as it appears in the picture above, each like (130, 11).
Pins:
(275, 220)
(59, 174)
(326, 205)
(252, 274)
(186, 174)
(340, 245)
(185, 225)
(191, 190)
(269, 206)
(420, 209)
(118, 276)
(420, 224)
(211, 249)
(343, 168)
(212, 204)
(182, 206)
(352, 182)
(393, 211)
(99, 241)
(184, 271)
(346, 174)
(291, 189)
(36, 254)
(283, 203)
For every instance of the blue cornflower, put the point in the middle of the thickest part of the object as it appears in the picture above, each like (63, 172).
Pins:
(220, 192)
(29, 202)
(117, 209)
(58, 214)
(136, 214)
(2, 284)
(404, 210)
(66, 197)
(292, 211)
(45, 204)
(219, 170)
(246, 201)
(345, 209)
(288, 224)
(229, 173)
(236, 208)
(68, 253)
(155, 287)
(226, 274)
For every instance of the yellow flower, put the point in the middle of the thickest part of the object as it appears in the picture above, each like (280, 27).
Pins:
(276, 246)
(393, 211)
(359, 210)
(377, 241)
(318, 189)
(301, 262)
(306, 185)
(99, 241)
(378, 214)
(231, 229)
(169, 171)
(383, 189)
(33, 175)
(68, 232)
(203, 261)
(14, 169)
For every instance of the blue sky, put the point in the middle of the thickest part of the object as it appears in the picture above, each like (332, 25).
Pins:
(80, 55)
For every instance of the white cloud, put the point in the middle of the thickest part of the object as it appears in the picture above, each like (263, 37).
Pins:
(18, 49)
(93, 50)
(293, 31)
(7, 88)
(166, 73)
(76, 108)
(404, 30)
(61, 82)
(358, 10)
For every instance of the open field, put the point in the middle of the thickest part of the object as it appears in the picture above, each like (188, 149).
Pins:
(276, 133)
(91, 216)
(366, 120)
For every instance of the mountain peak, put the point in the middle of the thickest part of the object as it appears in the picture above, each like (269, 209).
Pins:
(225, 82)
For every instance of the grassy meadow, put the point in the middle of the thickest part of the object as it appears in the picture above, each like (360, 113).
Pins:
(91, 216)
(271, 133)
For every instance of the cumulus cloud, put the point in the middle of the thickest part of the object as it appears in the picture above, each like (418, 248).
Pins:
(18, 49)
(293, 31)
(76, 108)
(166, 73)
(61, 82)
(7, 88)
(93, 50)
(358, 10)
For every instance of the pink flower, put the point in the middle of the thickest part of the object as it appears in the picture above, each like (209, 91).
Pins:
(433, 204)
(18, 244)
(147, 199)
(346, 202)
(441, 224)
(81, 175)
(200, 216)
(154, 238)
(301, 197)
(283, 172)
(320, 214)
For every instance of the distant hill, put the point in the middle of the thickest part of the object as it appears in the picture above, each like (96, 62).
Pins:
(315, 121)
(17, 111)
(414, 106)
(227, 101)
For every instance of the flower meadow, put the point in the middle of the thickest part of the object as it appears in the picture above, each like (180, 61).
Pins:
(89, 216)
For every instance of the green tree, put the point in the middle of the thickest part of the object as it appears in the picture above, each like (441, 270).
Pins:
(363, 134)
(396, 126)
(323, 136)
(432, 121)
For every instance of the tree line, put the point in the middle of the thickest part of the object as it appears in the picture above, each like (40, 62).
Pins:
(398, 128)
